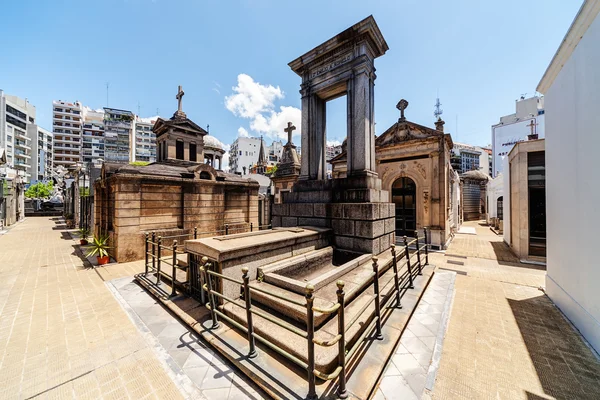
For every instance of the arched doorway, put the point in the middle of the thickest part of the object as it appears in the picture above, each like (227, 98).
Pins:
(404, 192)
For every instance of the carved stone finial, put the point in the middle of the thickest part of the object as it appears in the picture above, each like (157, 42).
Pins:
(402, 105)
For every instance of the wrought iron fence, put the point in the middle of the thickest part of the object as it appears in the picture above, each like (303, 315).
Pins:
(158, 254)
(403, 281)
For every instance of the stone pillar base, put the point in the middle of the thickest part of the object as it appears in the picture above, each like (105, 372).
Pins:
(362, 227)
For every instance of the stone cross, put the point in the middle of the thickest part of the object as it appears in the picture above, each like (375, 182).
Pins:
(532, 125)
(402, 105)
(179, 96)
(290, 128)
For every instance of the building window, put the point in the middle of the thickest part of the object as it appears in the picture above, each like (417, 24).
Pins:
(179, 149)
(192, 151)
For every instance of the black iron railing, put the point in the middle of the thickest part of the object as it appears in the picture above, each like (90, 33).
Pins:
(159, 254)
(403, 281)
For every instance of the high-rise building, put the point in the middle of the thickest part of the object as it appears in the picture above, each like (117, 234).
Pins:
(243, 154)
(41, 152)
(108, 134)
(16, 114)
(92, 135)
(66, 128)
(145, 140)
(118, 131)
(466, 158)
(526, 123)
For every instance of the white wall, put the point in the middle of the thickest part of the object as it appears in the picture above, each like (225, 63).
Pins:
(505, 136)
(573, 187)
(506, 199)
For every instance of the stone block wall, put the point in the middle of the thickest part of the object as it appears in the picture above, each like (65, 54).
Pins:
(362, 227)
(128, 208)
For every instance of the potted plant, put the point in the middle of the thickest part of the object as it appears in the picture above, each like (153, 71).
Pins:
(84, 233)
(99, 248)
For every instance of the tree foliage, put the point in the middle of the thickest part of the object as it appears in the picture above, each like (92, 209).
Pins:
(39, 190)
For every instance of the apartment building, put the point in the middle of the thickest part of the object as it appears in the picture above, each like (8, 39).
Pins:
(41, 152)
(66, 129)
(144, 146)
(526, 123)
(15, 115)
(118, 131)
(243, 154)
(465, 158)
(92, 135)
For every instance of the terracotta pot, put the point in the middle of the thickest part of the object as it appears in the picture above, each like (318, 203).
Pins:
(83, 242)
(103, 260)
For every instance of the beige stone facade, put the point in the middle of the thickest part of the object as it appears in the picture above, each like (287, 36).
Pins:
(519, 224)
(172, 196)
(421, 154)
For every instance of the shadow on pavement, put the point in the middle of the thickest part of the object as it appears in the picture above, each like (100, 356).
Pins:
(565, 366)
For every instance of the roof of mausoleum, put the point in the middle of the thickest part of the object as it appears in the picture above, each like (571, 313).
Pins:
(172, 169)
(475, 174)
(399, 133)
(179, 122)
(213, 143)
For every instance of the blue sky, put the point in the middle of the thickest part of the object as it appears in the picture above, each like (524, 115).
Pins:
(231, 57)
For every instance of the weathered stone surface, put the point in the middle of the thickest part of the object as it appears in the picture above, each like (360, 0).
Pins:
(343, 226)
(301, 210)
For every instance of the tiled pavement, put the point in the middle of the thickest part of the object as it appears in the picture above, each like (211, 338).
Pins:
(505, 339)
(189, 358)
(62, 333)
(411, 366)
(485, 244)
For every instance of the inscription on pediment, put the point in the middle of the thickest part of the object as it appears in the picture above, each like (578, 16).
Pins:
(323, 68)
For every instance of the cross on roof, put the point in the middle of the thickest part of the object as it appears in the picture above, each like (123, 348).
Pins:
(532, 125)
(402, 105)
(290, 128)
(179, 96)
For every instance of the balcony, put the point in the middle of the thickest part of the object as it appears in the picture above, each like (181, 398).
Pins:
(21, 135)
(22, 155)
(22, 145)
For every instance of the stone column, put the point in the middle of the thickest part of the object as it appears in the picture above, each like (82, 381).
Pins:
(361, 124)
(220, 161)
(436, 203)
(313, 138)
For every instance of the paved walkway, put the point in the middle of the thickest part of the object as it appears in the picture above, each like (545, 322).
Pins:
(414, 365)
(62, 333)
(506, 339)
(194, 363)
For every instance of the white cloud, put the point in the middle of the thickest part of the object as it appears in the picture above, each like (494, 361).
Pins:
(242, 132)
(274, 123)
(251, 98)
(256, 102)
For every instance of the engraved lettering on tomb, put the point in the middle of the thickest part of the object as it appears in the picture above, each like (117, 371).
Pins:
(328, 67)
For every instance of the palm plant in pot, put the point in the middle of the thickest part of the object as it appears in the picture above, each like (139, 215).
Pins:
(99, 248)
(84, 233)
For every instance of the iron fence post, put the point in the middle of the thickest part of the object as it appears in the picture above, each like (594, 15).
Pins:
(153, 251)
(252, 351)
(146, 255)
(418, 253)
(159, 245)
(310, 331)
(195, 232)
(378, 334)
(426, 247)
(396, 279)
(410, 277)
(251, 227)
(173, 280)
(211, 296)
(226, 229)
(342, 392)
